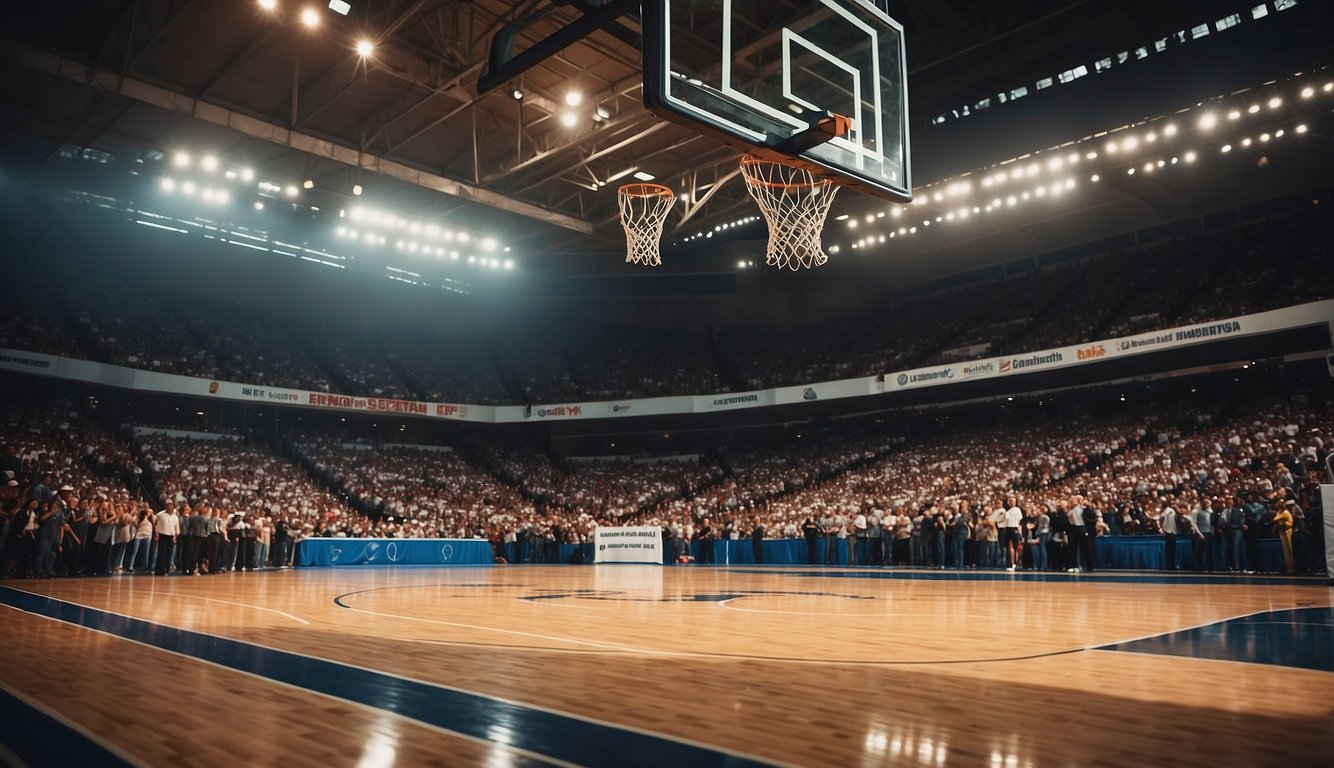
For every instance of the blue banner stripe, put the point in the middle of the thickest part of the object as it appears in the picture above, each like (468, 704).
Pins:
(40, 740)
(562, 737)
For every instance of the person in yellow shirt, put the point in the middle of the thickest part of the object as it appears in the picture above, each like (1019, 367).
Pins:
(1283, 525)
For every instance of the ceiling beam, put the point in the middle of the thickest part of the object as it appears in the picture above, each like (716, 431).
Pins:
(259, 128)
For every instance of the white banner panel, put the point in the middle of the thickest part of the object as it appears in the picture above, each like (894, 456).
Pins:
(630, 544)
(1327, 504)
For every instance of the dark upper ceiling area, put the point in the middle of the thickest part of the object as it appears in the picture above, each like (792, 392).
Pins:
(408, 124)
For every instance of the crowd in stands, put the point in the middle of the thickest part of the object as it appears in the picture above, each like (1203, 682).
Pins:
(1022, 493)
(1238, 269)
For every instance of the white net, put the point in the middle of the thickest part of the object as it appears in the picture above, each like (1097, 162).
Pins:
(644, 209)
(794, 202)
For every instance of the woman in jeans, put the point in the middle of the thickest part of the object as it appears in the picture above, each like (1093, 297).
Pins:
(143, 534)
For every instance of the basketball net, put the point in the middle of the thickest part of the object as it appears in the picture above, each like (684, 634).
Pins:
(794, 202)
(644, 209)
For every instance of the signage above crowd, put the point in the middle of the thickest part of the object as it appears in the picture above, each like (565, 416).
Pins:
(1287, 318)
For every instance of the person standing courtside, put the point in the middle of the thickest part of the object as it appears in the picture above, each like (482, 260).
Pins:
(168, 528)
(757, 540)
(1168, 522)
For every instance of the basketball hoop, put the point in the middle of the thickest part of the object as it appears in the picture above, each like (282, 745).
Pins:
(644, 209)
(794, 202)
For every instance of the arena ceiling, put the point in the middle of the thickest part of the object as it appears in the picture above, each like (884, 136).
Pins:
(408, 124)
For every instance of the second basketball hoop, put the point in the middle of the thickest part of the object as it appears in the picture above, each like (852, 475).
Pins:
(795, 203)
(644, 209)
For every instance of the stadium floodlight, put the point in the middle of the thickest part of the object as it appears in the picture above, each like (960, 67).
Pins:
(1095, 178)
(291, 190)
(168, 185)
(1301, 128)
(1129, 143)
(181, 160)
(308, 184)
(188, 188)
(1170, 129)
(365, 48)
(259, 205)
(1226, 149)
(208, 163)
(1252, 109)
(1234, 114)
(573, 98)
(268, 5)
(247, 174)
(517, 94)
(568, 119)
(340, 7)
(310, 17)
(1275, 103)
(1208, 120)
(356, 189)
(1189, 157)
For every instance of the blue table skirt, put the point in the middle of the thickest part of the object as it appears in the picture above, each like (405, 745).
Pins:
(318, 551)
(1114, 552)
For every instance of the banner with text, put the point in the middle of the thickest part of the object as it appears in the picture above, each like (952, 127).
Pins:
(631, 544)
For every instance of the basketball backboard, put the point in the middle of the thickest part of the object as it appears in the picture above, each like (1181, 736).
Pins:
(758, 74)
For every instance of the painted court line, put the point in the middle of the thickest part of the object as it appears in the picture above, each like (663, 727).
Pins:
(554, 737)
(44, 737)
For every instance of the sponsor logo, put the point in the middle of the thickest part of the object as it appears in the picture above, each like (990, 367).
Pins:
(809, 394)
(903, 379)
(944, 374)
(1032, 361)
(560, 410)
(1205, 331)
(981, 369)
(28, 362)
(213, 387)
(1091, 352)
(620, 408)
(736, 400)
(451, 411)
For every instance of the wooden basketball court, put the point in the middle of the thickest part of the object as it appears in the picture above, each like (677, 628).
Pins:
(644, 665)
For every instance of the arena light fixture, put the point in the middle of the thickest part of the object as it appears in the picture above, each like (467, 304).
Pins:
(1252, 109)
(340, 7)
(247, 174)
(568, 119)
(168, 185)
(259, 205)
(291, 190)
(208, 163)
(1208, 120)
(1308, 92)
(310, 17)
(1301, 128)
(1275, 102)
(1189, 157)
(517, 94)
(268, 5)
(365, 48)
(1170, 130)
(308, 184)
(356, 189)
(574, 98)
(1234, 114)
(181, 160)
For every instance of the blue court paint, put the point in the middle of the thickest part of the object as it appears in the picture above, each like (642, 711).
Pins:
(1297, 637)
(561, 737)
(39, 740)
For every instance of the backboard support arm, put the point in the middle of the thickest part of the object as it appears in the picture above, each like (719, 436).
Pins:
(503, 65)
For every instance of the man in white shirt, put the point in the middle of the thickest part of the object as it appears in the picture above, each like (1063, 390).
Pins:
(167, 526)
(1013, 517)
(1168, 522)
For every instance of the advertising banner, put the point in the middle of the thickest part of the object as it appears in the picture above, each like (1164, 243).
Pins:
(631, 544)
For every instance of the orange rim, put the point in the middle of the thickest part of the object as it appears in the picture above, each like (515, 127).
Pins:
(751, 161)
(646, 190)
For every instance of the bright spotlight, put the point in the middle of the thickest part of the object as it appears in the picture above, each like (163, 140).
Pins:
(247, 174)
(509, 264)
(259, 206)
(310, 17)
(188, 188)
(1129, 143)
(1308, 92)
(1234, 114)
(181, 160)
(1189, 157)
(517, 94)
(573, 98)
(168, 185)
(365, 48)
(1208, 121)
(1301, 128)
(1275, 103)
(1226, 149)
(1252, 109)
(1170, 129)
(291, 190)
(340, 7)
(568, 119)
(222, 197)
(356, 189)
(209, 163)
(268, 5)
(308, 184)
(463, 237)
(1095, 178)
